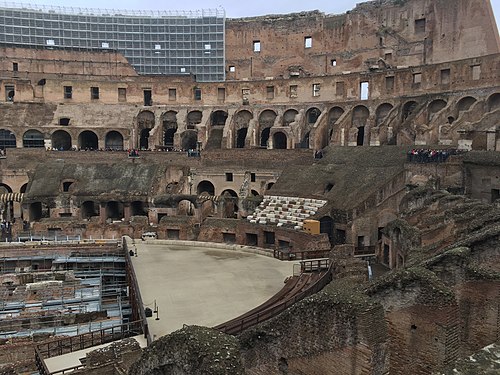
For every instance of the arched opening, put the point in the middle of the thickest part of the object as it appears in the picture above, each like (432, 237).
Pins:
(89, 209)
(241, 136)
(267, 118)
(269, 185)
(241, 124)
(205, 187)
(493, 102)
(144, 139)
(333, 116)
(254, 193)
(114, 210)
(138, 208)
(7, 139)
(360, 115)
(145, 122)
(33, 139)
(230, 203)
(35, 211)
(266, 122)
(218, 118)
(436, 106)
(382, 112)
(114, 141)
(326, 226)
(185, 208)
(264, 137)
(169, 120)
(408, 109)
(464, 104)
(61, 140)
(279, 140)
(289, 117)
(360, 139)
(193, 119)
(312, 115)
(23, 188)
(87, 140)
(66, 185)
(189, 140)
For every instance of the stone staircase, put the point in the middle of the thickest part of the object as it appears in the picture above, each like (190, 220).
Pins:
(285, 211)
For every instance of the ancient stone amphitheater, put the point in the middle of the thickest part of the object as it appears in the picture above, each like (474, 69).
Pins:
(360, 146)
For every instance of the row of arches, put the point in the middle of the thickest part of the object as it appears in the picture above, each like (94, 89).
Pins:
(61, 140)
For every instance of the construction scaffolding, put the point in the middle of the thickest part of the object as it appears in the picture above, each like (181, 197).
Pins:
(154, 42)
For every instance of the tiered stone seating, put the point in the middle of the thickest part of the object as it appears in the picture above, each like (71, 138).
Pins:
(290, 211)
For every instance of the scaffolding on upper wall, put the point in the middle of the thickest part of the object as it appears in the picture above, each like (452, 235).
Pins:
(154, 42)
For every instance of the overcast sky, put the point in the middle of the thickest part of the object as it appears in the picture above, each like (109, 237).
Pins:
(234, 8)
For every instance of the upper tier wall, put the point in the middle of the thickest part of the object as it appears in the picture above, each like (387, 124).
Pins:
(410, 32)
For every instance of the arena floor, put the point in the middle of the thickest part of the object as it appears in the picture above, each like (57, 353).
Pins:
(203, 285)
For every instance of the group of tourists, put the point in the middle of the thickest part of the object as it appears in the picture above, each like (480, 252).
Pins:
(430, 155)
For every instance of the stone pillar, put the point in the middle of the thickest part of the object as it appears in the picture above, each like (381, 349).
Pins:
(491, 136)
(102, 212)
(127, 210)
(17, 210)
(101, 143)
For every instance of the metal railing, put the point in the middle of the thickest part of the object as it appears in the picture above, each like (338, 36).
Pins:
(71, 344)
(272, 308)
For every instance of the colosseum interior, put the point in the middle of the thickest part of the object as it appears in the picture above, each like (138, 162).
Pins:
(360, 147)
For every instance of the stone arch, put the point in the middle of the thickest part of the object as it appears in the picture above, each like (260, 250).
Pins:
(114, 210)
(266, 122)
(89, 209)
(7, 139)
(205, 186)
(312, 115)
(289, 116)
(436, 105)
(269, 185)
(189, 140)
(279, 141)
(61, 140)
(4, 188)
(408, 108)
(169, 122)
(145, 122)
(194, 118)
(241, 123)
(360, 115)
(229, 193)
(254, 193)
(138, 208)
(230, 203)
(23, 188)
(185, 207)
(465, 103)
(87, 140)
(334, 115)
(493, 102)
(113, 141)
(33, 139)
(218, 118)
(382, 112)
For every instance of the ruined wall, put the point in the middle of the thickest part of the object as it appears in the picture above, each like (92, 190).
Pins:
(392, 33)
(39, 62)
